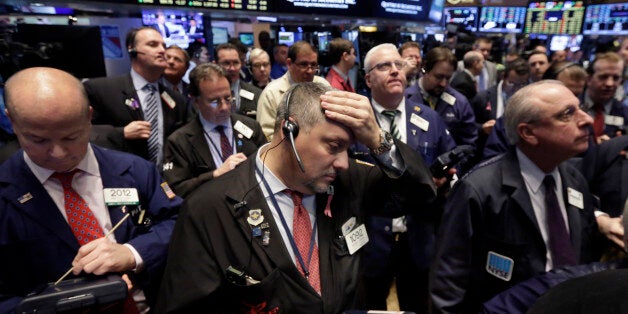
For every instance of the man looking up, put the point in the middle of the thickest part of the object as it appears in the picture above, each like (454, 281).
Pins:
(136, 105)
(58, 172)
(522, 214)
(303, 67)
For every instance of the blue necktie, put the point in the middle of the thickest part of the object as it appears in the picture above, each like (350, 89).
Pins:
(151, 114)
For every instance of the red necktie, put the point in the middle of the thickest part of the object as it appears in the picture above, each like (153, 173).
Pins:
(598, 122)
(225, 145)
(81, 219)
(302, 233)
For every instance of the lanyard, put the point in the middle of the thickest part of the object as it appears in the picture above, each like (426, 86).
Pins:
(295, 249)
(219, 151)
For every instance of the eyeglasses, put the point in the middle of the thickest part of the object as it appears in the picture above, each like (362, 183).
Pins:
(215, 103)
(261, 65)
(306, 65)
(226, 64)
(387, 66)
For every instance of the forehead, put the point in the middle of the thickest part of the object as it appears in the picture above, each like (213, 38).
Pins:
(607, 66)
(330, 131)
(537, 58)
(553, 97)
(307, 55)
(175, 52)
(386, 54)
(484, 45)
(410, 51)
(261, 57)
(214, 86)
(148, 34)
(227, 53)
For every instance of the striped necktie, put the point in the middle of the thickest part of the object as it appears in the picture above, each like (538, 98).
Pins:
(151, 114)
(391, 114)
(226, 149)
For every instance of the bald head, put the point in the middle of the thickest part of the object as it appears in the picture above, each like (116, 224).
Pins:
(45, 93)
(50, 115)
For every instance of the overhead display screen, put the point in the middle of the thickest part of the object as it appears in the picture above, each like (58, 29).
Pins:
(327, 7)
(248, 5)
(555, 17)
(502, 19)
(606, 19)
(462, 16)
(414, 10)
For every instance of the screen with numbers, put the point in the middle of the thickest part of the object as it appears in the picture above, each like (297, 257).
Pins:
(554, 17)
(502, 19)
(606, 19)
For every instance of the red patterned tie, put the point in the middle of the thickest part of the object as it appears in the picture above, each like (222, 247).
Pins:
(598, 121)
(225, 145)
(81, 219)
(302, 232)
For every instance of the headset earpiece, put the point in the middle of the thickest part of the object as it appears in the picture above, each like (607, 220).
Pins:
(132, 52)
(290, 129)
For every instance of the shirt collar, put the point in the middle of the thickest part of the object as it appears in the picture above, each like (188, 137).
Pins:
(139, 82)
(379, 108)
(532, 174)
(344, 76)
(88, 164)
(210, 126)
(276, 186)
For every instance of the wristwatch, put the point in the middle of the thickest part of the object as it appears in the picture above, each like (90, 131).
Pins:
(385, 143)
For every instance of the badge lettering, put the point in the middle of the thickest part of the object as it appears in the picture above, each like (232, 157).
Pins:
(420, 122)
(121, 196)
(356, 239)
(575, 198)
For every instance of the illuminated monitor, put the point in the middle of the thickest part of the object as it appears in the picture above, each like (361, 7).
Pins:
(467, 17)
(606, 19)
(248, 39)
(323, 41)
(562, 42)
(286, 38)
(502, 19)
(179, 28)
(220, 35)
(554, 17)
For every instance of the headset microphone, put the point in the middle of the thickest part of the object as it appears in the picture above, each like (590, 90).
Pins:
(291, 129)
(133, 53)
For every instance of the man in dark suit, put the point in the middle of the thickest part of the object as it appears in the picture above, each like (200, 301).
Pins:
(488, 74)
(193, 153)
(245, 95)
(401, 248)
(465, 81)
(124, 102)
(234, 248)
(433, 90)
(51, 118)
(522, 214)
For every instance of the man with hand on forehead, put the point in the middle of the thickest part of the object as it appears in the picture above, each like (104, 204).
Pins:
(54, 211)
(283, 231)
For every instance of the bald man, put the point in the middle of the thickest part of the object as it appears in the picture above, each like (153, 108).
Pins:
(38, 243)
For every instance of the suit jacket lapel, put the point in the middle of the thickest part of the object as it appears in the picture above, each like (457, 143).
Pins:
(276, 250)
(41, 208)
(511, 177)
(573, 212)
(412, 138)
(243, 144)
(199, 143)
(129, 92)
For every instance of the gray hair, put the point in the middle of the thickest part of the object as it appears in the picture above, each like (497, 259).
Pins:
(368, 63)
(302, 103)
(522, 107)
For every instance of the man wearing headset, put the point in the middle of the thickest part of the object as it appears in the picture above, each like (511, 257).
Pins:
(136, 106)
(234, 249)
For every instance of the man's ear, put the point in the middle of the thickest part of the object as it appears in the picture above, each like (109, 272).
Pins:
(6, 112)
(526, 133)
(367, 79)
(91, 113)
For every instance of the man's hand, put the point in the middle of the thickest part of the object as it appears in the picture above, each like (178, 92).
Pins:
(137, 130)
(487, 127)
(602, 138)
(103, 256)
(355, 112)
(229, 164)
(612, 228)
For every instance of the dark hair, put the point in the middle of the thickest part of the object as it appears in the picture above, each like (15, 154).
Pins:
(518, 65)
(195, 48)
(205, 71)
(409, 44)
(186, 56)
(337, 47)
(225, 46)
(299, 47)
(436, 55)
(131, 35)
